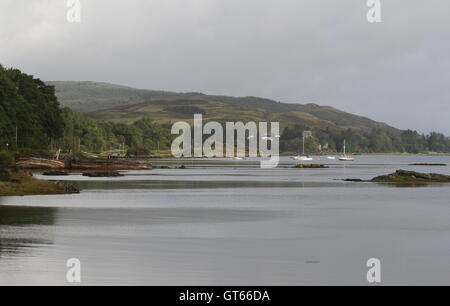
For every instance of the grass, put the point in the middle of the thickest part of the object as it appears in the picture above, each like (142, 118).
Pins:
(125, 104)
(22, 184)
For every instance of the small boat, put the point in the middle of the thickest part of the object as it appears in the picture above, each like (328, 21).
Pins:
(331, 157)
(344, 157)
(303, 156)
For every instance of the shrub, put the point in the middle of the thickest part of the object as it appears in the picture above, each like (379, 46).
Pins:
(6, 160)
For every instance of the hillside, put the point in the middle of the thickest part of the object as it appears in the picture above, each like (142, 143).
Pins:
(138, 121)
(125, 104)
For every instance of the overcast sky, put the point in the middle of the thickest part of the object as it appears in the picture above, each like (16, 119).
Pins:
(298, 51)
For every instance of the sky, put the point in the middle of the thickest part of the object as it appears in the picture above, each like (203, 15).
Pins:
(295, 51)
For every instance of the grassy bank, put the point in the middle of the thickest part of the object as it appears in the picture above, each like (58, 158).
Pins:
(21, 184)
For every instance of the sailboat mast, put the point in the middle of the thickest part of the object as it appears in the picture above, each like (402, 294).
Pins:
(303, 144)
(344, 149)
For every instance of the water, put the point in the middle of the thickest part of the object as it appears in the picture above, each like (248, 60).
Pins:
(231, 223)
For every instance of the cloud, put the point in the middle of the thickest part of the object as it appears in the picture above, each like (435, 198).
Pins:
(321, 51)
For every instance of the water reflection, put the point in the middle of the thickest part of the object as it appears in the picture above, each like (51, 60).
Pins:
(231, 226)
(24, 228)
(173, 184)
(412, 184)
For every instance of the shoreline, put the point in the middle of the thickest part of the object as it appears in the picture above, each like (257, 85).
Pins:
(24, 184)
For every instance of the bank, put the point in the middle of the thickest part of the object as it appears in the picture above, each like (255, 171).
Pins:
(22, 183)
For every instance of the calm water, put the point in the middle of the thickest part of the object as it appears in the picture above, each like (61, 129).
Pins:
(231, 223)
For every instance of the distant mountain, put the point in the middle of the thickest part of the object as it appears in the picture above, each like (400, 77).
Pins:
(125, 104)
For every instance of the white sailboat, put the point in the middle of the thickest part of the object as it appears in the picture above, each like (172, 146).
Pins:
(303, 157)
(345, 157)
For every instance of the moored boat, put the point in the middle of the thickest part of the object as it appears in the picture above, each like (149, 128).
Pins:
(344, 157)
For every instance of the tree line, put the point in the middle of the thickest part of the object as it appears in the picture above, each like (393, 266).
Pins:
(31, 119)
(374, 141)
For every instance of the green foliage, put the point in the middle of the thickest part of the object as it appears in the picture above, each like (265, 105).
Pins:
(6, 160)
(84, 134)
(29, 108)
(375, 141)
(138, 151)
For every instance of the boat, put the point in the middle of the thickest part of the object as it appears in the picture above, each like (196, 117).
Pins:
(331, 157)
(344, 157)
(303, 156)
(31, 162)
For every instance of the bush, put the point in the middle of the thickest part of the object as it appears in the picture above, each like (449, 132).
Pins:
(138, 151)
(6, 160)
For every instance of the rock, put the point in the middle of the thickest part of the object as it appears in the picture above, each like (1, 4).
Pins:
(425, 164)
(103, 174)
(110, 164)
(55, 173)
(310, 166)
(66, 187)
(404, 176)
(182, 167)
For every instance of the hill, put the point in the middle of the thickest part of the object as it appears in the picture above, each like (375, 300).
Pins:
(125, 104)
(141, 119)
(137, 121)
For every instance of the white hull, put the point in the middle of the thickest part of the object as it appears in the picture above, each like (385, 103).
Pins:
(345, 158)
(302, 158)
